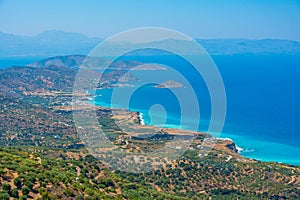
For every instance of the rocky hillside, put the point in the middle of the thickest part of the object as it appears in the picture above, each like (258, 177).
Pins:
(85, 62)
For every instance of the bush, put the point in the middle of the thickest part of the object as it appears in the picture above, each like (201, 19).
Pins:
(18, 183)
(15, 193)
(6, 187)
(41, 190)
(29, 184)
(79, 197)
(69, 192)
(46, 196)
(24, 197)
(2, 172)
(4, 195)
(25, 190)
(41, 177)
(89, 191)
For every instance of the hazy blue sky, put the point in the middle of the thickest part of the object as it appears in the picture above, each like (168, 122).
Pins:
(197, 18)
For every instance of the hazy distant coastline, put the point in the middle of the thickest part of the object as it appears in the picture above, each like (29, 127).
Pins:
(50, 43)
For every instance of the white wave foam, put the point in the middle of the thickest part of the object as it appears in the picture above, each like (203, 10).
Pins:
(142, 121)
(240, 149)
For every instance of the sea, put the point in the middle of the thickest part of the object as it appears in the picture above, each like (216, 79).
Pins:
(18, 60)
(262, 95)
(263, 102)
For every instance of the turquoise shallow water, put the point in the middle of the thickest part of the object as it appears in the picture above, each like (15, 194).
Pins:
(263, 110)
(263, 150)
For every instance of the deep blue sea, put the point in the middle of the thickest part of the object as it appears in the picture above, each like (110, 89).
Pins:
(18, 61)
(263, 102)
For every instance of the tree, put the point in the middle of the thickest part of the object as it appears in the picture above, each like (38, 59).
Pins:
(29, 184)
(4, 195)
(41, 190)
(6, 187)
(69, 192)
(15, 193)
(25, 190)
(18, 182)
(2, 172)
(24, 197)
(80, 197)
(46, 196)
(89, 191)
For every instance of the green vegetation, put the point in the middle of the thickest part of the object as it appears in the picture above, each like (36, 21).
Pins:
(42, 173)
(47, 177)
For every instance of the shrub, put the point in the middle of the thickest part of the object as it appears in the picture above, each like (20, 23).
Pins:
(4, 195)
(2, 172)
(69, 192)
(29, 184)
(15, 193)
(24, 197)
(79, 197)
(18, 183)
(41, 190)
(25, 190)
(6, 187)
(89, 191)
(46, 196)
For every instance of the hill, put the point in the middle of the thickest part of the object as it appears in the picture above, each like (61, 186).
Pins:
(45, 173)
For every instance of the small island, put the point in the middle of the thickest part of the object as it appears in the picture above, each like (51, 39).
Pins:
(170, 84)
(150, 67)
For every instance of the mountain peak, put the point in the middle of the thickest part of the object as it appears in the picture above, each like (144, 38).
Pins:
(58, 34)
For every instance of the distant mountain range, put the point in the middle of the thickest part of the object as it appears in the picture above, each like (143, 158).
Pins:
(246, 46)
(52, 43)
(48, 43)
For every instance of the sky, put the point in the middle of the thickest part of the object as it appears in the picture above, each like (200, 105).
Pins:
(252, 19)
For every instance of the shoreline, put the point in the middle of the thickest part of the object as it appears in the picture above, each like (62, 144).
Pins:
(241, 150)
(238, 148)
(142, 122)
(141, 119)
(264, 151)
